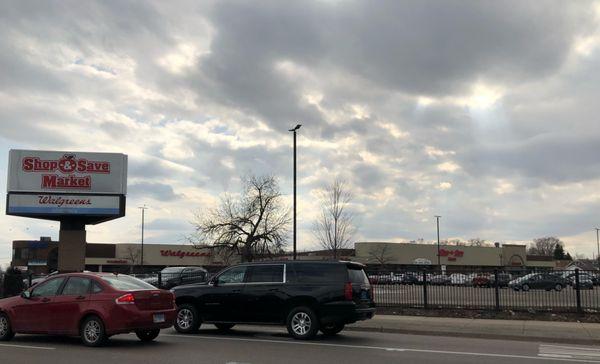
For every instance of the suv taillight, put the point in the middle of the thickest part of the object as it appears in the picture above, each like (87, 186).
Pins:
(348, 291)
(126, 299)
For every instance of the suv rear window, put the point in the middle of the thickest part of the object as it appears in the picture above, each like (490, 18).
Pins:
(126, 283)
(358, 276)
(319, 273)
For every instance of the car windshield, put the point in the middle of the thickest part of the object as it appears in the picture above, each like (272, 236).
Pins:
(126, 283)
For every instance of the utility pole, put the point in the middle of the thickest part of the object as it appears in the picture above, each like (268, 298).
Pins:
(294, 131)
(437, 218)
(143, 208)
(598, 245)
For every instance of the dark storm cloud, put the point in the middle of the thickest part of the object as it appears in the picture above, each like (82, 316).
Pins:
(550, 158)
(426, 47)
(157, 191)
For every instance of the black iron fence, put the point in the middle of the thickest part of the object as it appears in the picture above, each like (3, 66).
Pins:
(560, 291)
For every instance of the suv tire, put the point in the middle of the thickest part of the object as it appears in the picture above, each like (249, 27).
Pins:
(187, 320)
(331, 329)
(92, 332)
(147, 335)
(302, 323)
(6, 332)
(224, 327)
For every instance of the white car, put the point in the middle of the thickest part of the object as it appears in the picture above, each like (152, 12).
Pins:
(459, 279)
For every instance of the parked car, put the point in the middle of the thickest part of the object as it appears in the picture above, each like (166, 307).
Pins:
(304, 296)
(410, 278)
(93, 306)
(547, 281)
(440, 280)
(176, 276)
(459, 279)
(481, 280)
(586, 280)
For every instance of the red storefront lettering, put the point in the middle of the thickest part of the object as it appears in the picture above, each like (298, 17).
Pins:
(181, 254)
(53, 181)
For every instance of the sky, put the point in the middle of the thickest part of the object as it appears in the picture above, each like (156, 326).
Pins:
(485, 113)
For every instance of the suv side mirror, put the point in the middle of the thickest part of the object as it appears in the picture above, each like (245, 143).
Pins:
(213, 282)
(26, 295)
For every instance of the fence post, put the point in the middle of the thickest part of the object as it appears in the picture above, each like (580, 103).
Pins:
(497, 289)
(29, 279)
(424, 289)
(159, 279)
(578, 291)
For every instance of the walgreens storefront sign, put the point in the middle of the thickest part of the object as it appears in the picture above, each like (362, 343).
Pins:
(183, 253)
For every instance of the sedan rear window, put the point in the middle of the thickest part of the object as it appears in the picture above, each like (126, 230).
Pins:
(126, 283)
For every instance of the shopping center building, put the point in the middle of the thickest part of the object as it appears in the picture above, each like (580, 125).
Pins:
(41, 256)
(451, 257)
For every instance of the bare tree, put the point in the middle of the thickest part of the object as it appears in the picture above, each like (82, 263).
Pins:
(544, 246)
(253, 225)
(381, 255)
(477, 242)
(334, 229)
(133, 255)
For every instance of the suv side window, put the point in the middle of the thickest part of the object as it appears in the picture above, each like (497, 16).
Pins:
(233, 275)
(320, 273)
(268, 273)
(47, 289)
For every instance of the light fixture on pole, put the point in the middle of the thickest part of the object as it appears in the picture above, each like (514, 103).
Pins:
(294, 131)
(437, 218)
(143, 208)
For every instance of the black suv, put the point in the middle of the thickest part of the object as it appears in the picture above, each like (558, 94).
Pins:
(304, 296)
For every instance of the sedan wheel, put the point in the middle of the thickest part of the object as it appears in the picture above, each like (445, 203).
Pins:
(6, 332)
(92, 332)
(525, 287)
(147, 335)
(558, 287)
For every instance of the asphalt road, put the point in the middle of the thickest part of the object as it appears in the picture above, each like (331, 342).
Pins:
(456, 296)
(272, 345)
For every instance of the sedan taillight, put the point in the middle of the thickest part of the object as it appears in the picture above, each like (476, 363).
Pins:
(126, 299)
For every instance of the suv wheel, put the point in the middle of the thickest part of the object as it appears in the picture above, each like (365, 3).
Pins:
(147, 335)
(6, 332)
(92, 332)
(302, 323)
(331, 329)
(187, 320)
(224, 327)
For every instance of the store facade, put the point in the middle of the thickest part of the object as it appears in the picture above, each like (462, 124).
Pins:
(452, 257)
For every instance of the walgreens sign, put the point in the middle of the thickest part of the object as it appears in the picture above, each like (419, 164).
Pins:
(54, 171)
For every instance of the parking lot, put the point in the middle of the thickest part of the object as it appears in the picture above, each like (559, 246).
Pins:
(247, 344)
(485, 298)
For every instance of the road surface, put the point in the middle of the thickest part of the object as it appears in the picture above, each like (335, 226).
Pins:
(272, 345)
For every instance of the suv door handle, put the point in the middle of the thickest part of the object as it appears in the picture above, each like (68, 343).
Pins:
(273, 289)
(236, 291)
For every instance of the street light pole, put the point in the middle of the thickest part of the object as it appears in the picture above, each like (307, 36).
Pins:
(598, 245)
(437, 218)
(143, 208)
(294, 131)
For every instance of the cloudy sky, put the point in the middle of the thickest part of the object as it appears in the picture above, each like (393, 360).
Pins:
(483, 112)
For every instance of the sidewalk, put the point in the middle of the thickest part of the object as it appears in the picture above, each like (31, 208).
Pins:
(545, 331)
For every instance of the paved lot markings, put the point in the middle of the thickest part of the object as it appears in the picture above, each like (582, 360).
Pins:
(27, 347)
(463, 353)
(574, 352)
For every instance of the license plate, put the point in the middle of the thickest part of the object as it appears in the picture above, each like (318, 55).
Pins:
(159, 318)
(364, 295)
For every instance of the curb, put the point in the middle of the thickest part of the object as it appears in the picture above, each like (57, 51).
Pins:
(476, 335)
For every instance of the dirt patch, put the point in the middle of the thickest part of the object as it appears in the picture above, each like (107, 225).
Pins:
(593, 317)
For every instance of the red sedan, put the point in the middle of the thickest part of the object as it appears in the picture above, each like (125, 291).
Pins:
(93, 306)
